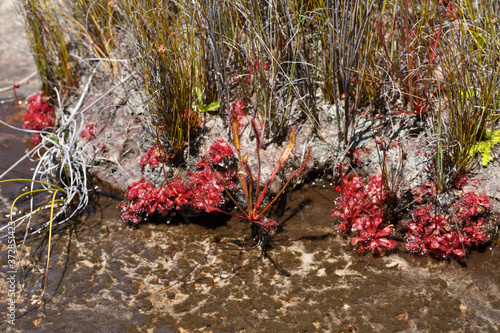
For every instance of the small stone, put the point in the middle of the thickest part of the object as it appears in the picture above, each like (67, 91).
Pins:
(392, 264)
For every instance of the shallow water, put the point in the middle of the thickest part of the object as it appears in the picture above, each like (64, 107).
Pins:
(203, 275)
(13, 145)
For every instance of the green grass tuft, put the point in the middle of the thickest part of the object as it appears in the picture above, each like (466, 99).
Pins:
(484, 147)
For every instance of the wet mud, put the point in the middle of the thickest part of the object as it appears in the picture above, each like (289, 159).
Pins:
(16, 63)
(13, 145)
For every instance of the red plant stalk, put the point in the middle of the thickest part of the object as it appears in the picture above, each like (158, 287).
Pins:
(254, 201)
(436, 43)
(161, 152)
(14, 87)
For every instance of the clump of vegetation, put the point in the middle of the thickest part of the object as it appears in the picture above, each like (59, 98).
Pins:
(271, 46)
(345, 38)
(467, 57)
(448, 236)
(366, 211)
(57, 68)
(203, 191)
(94, 25)
(39, 116)
(59, 184)
(166, 48)
(250, 181)
(363, 211)
(491, 139)
(200, 191)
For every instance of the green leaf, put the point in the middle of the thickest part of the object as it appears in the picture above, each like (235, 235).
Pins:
(199, 96)
(200, 106)
(211, 107)
(54, 139)
(197, 92)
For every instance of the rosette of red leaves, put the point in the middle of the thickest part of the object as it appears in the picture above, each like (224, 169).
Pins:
(39, 116)
(153, 157)
(88, 133)
(142, 201)
(351, 203)
(424, 192)
(448, 236)
(360, 210)
(373, 236)
(201, 191)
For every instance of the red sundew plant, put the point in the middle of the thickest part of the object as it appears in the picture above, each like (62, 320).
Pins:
(200, 191)
(440, 235)
(424, 192)
(448, 236)
(39, 116)
(218, 176)
(351, 203)
(460, 181)
(204, 190)
(218, 153)
(254, 195)
(208, 191)
(360, 209)
(142, 201)
(471, 206)
(153, 157)
(373, 236)
(88, 133)
(426, 231)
